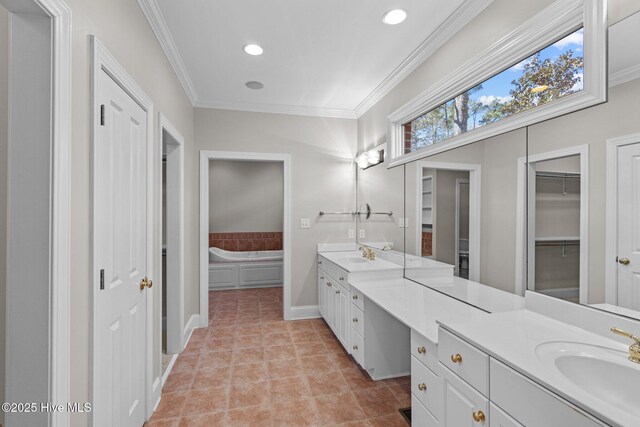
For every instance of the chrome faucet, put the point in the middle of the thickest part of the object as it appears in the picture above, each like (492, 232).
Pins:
(634, 349)
(368, 253)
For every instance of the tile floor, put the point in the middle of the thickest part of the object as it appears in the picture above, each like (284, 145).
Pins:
(251, 368)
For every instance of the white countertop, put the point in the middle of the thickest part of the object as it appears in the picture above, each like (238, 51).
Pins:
(415, 305)
(482, 296)
(346, 260)
(513, 337)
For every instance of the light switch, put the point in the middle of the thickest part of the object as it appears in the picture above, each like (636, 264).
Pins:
(362, 234)
(352, 233)
(305, 223)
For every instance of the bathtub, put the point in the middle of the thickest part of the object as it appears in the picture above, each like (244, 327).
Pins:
(234, 270)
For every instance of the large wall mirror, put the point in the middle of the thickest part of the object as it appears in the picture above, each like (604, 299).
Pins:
(551, 208)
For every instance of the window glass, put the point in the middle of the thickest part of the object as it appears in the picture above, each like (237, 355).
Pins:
(549, 74)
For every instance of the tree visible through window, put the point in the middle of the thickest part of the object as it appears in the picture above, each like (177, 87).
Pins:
(551, 73)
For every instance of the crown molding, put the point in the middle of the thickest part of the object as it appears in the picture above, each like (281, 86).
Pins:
(625, 75)
(152, 12)
(454, 23)
(296, 110)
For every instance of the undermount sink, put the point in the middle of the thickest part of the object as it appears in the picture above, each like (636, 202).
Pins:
(353, 260)
(604, 373)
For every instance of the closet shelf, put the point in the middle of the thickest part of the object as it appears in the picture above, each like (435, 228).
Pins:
(557, 238)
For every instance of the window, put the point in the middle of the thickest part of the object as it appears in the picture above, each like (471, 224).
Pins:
(547, 75)
(553, 64)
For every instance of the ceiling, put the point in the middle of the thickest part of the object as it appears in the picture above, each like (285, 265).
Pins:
(327, 58)
(624, 62)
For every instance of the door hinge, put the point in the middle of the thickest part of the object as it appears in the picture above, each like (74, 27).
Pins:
(102, 279)
(102, 115)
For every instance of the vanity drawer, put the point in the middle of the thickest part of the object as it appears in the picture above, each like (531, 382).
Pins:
(425, 386)
(357, 298)
(530, 404)
(424, 350)
(357, 348)
(471, 364)
(357, 319)
(499, 418)
(420, 416)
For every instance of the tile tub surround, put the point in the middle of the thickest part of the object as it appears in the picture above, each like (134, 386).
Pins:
(247, 241)
(249, 367)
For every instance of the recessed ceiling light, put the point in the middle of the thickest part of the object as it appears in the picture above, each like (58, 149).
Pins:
(394, 17)
(253, 49)
(254, 85)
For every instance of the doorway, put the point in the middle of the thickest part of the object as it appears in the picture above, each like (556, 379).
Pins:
(122, 223)
(449, 214)
(172, 295)
(247, 258)
(622, 268)
(37, 183)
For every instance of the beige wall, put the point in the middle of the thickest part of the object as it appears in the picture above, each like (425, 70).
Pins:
(322, 178)
(379, 187)
(245, 196)
(4, 104)
(123, 29)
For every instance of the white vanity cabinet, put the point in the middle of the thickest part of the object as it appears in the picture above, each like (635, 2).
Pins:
(333, 299)
(479, 390)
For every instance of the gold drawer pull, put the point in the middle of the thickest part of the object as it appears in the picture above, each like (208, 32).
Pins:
(422, 350)
(355, 320)
(321, 277)
(338, 291)
(355, 297)
(342, 278)
(328, 284)
(456, 358)
(422, 387)
(478, 416)
(355, 347)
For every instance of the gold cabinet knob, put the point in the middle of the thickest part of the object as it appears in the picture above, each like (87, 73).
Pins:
(355, 347)
(342, 278)
(329, 284)
(145, 283)
(355, 297)
(624, 261)
(456, 358)
(338, 291)
(355, 320)
(321, 277)
(422, 386)
(478, 416)
(422, 350)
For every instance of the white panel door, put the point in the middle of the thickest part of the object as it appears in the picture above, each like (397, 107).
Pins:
(120, 183)
(629, 226)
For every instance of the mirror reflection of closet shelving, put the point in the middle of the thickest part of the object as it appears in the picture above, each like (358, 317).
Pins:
(557, 241)
(427, 215)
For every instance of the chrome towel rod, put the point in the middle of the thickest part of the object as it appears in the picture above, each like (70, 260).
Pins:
(336, 213)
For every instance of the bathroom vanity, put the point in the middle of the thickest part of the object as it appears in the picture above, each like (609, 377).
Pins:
(484, 358)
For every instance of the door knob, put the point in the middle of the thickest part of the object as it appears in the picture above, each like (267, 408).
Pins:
(624, 261)
(145, 283)
(478, 416)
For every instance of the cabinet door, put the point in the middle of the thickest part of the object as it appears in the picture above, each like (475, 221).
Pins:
(344, 320)
(321, 293)
(461, 403)
(328, 301)
(337, 315)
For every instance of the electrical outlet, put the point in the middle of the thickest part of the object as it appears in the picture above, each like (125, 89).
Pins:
(362, 234)
(305, 223)
(352, 233)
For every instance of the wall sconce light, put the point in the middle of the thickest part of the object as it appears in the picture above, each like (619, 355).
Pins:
(370, 158)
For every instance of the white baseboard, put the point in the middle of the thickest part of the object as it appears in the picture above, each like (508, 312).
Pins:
(193, 323)
(167, 371)
(305, 312)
